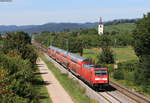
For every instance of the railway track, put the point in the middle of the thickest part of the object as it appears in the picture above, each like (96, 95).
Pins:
(131, 94)
(109, 98)
(120, 95)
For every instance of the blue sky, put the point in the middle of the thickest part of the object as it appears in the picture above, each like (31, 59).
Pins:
(27, 12)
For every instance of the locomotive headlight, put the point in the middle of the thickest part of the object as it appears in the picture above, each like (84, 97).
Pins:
(100, 78)
(104, 78)
(97, 78)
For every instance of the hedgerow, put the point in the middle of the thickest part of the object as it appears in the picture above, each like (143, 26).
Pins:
(17, 67)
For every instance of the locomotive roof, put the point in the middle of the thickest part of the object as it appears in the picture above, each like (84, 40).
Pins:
(73, 56)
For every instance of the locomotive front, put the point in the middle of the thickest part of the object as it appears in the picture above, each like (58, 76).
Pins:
(100, 77)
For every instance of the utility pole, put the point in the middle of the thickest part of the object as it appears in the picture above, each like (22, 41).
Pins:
(49, 39)
(67, 45)
(115, 42)
(47, 42)
(115, 56)
(51, 42)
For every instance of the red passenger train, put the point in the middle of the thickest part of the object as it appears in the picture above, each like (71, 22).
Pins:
(95, 75)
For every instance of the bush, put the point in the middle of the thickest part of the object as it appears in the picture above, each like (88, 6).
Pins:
(18, 79)
(17, 66)
(142, 73)
(131, 70)
(118, 75)
(129, 76)
(11, 98)
(28, 52)
(128, 66)
(146, 88)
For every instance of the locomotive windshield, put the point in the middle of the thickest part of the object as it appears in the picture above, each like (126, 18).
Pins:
(100, 72)
(88, 66)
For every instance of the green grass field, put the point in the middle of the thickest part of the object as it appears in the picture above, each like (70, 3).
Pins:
(121, 54)
(125, 54)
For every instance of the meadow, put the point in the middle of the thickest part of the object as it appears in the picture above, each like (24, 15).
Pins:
(121, 54)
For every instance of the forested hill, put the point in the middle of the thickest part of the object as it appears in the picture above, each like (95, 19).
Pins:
(51, 27)
(58, 27)
(118, 28)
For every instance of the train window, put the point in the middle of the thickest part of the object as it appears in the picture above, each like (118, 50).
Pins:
(97, 66)
(100, 72)
(65, 55)
(73, 61)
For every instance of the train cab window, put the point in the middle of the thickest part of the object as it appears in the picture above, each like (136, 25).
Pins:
(100, 72)
(88, 66)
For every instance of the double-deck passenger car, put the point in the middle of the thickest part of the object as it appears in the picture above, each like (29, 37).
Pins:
(95, 75)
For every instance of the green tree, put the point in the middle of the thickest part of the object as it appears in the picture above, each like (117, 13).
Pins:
(17, 67)
(141, 36)
(141, 46)
(16, 40)
(76, 45)
(0, 37)
(21, 43)
(106, 56)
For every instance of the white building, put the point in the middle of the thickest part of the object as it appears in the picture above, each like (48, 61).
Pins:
(100, 27)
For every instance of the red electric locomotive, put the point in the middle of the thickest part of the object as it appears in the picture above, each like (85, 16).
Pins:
(95, 75)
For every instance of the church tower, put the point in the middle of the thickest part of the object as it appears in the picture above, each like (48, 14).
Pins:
(100, 27)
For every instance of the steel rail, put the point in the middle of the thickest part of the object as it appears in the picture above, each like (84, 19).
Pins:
(131, 94)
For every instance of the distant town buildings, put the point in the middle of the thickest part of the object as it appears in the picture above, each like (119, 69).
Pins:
(100, 27)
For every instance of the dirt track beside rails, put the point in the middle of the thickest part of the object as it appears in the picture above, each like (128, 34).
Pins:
(55, 90)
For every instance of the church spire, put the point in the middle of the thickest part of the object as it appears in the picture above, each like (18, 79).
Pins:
(100, 20)
(100, 27)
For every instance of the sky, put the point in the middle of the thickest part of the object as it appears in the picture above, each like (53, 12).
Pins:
(37, 12)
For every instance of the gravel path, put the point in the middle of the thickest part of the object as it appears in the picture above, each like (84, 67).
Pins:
(55, 90)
